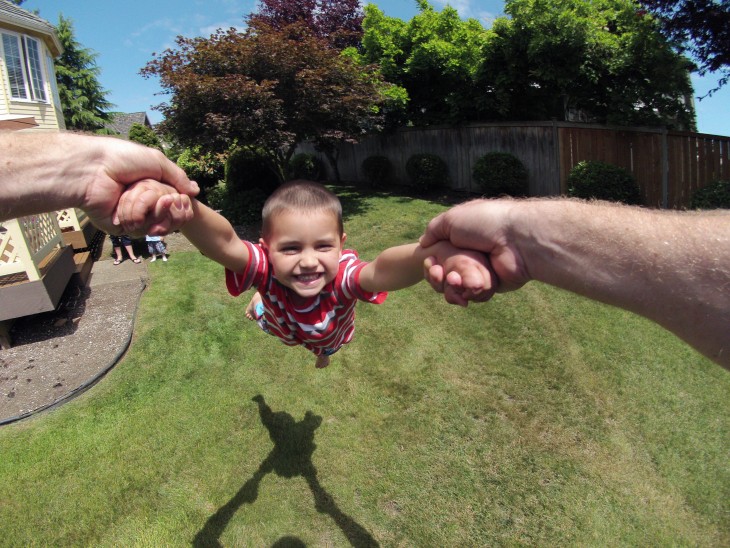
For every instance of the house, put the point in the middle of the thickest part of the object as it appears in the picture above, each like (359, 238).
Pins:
(122, 121)
(28, 93)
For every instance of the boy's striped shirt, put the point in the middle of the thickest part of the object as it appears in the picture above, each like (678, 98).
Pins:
(324, 322)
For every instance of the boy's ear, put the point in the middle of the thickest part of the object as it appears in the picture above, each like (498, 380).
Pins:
(343, 238)
(263, 243)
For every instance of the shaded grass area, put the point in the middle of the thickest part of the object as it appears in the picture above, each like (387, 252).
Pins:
(538, 418)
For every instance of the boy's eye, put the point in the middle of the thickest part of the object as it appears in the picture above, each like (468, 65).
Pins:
(324, 247)
(289, 250)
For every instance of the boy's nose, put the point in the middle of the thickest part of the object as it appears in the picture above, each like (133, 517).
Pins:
(308, 259)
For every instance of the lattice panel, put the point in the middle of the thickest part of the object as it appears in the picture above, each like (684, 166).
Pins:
(8, 250)
(70, 219)
(66, 218)
(39, 231)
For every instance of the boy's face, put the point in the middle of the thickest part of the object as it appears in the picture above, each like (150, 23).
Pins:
(304, 249)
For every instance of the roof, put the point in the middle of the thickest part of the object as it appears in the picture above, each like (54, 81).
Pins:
(122, 121)
(15, 16)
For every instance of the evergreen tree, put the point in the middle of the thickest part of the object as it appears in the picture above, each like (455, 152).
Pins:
(84, 102)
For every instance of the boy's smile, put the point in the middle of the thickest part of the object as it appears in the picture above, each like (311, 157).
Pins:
(304, 250)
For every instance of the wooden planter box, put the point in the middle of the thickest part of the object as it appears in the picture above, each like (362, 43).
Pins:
(35, 265)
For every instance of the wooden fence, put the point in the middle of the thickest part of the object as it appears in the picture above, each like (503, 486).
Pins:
(668, 165)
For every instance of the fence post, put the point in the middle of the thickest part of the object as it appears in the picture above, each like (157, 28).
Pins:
(665, 169)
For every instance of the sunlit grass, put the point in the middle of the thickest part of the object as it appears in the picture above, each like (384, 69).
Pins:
(540, 418)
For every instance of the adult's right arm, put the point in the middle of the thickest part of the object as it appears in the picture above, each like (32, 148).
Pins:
(671, 267)
(44, 171)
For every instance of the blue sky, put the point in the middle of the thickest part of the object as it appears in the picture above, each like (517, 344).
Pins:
(124, 36)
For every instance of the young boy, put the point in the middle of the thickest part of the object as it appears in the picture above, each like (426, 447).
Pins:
(307, 284)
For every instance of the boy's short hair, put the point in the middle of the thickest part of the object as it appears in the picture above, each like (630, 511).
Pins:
(300, 195)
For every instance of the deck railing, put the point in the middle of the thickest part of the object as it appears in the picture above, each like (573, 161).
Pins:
(25, 243)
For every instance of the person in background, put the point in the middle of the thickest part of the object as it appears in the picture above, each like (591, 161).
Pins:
(156, 246)
(125, 241)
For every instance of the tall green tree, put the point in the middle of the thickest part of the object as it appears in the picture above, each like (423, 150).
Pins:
(84, 102)
(266, 88)
(552, 58)
(435, 57)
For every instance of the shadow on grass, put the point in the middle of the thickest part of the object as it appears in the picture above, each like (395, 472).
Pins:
(290, 457)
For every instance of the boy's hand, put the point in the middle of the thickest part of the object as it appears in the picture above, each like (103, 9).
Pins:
(461, 275)
(150, 207)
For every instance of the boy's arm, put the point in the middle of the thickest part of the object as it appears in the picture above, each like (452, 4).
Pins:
(214, 236)
(209, 231)
(403, 266)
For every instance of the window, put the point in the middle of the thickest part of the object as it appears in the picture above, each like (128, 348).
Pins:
(22, 56)
(54, 84)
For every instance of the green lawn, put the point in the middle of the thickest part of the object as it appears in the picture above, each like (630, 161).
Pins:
(539, 418)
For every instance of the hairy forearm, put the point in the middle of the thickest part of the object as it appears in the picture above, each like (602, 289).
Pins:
(672, 267)
(43, 172)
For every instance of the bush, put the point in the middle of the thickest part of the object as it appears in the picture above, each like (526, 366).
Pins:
(602, 181)
(306, 166)
(206, 168)
(426, 171)
(378, 171)
(499, 173)
(248, 169)
(248, 182)
(716, 195)
(244, 207)
(139, 133)
(217, 196)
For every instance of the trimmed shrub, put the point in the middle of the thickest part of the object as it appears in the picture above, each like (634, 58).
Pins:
(306, 166)
(217, 196)
(427, 171)
(244, 207)
(602, 181)
(248, 182)
(247, 169)
(499, 173)
(378, 171)
(716, 195)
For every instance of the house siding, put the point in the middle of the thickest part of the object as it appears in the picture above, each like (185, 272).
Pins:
(46, 114)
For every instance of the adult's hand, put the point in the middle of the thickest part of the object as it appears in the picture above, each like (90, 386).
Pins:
(481, 225)
(120, 164)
